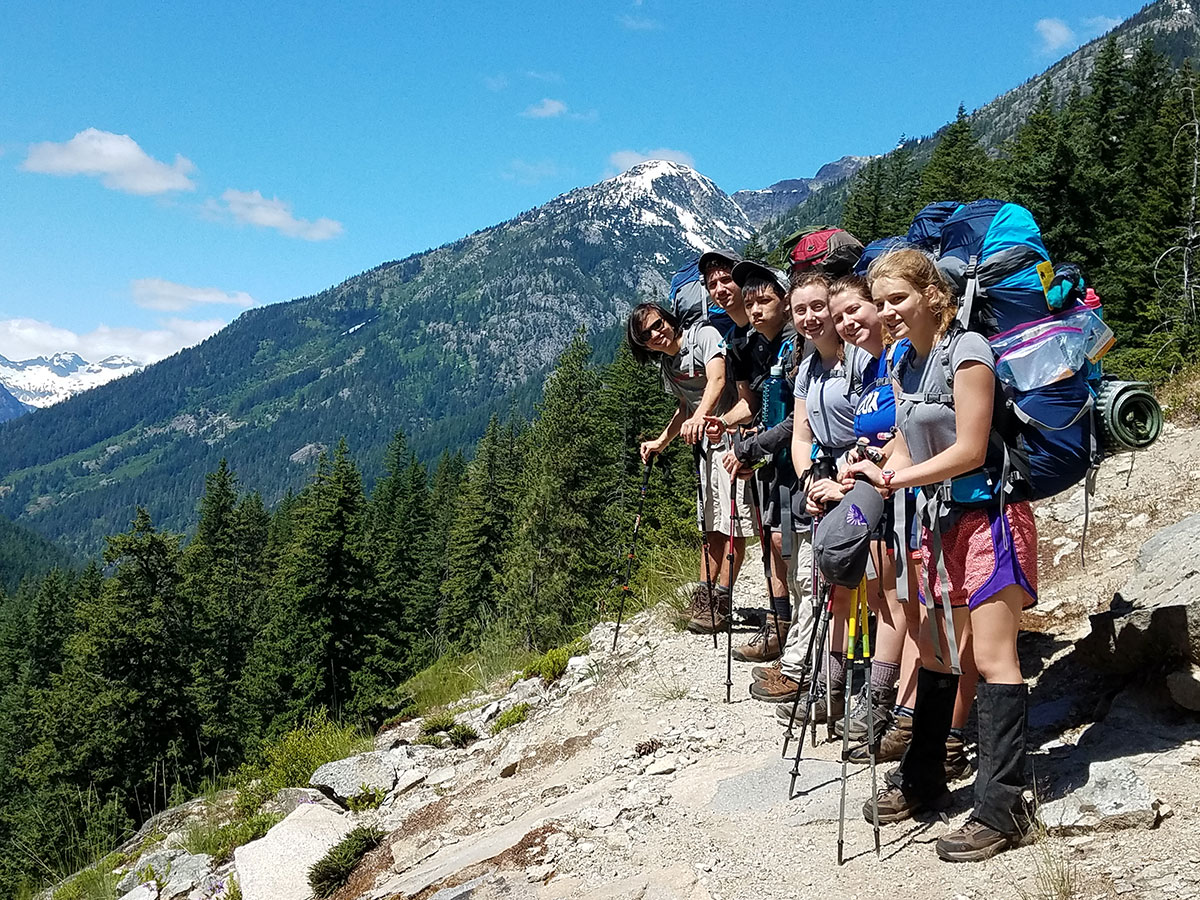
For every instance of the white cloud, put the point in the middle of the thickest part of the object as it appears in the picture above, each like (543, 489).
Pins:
(623, 159)
(547, 109)
(116, 159)
(1098, 25)
(167, 296)
(252, 208)
(1055, 34)
(523, 172)
(638, 23)
(26, 338)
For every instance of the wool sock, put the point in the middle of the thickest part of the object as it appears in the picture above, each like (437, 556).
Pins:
(956, 733)
(884, 675)
(902, 711)
(837, 671)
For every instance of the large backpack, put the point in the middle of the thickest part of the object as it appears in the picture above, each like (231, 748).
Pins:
(832, 250)
(876, 249)
(690, 301)
(993, 252)
(925, 232)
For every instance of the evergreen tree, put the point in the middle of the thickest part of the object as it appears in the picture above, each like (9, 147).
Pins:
(866, 208)
(560, 558)
(959, 168)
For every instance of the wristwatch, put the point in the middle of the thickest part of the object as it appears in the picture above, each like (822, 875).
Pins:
(887, 476)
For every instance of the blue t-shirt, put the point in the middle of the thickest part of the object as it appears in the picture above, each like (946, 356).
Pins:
(876, 412)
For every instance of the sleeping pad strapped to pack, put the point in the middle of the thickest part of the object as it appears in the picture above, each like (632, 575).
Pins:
(690, 300)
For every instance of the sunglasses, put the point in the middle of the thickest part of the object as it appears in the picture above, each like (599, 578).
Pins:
(650, 330)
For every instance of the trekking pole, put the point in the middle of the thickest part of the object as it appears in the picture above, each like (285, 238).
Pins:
(698, 455)
(637, 524)
(857, 618)
(813, 687)
(764, 537)
(729, 624)
(813, 668)
(867, 659)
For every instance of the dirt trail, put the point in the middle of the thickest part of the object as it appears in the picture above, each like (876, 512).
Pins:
(716, 822)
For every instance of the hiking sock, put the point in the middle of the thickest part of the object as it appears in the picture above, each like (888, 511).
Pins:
(837, 671)
(906, 711)
(957, 733)
(782, 607)
(884, 676)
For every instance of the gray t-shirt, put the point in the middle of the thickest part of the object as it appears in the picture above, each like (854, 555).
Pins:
(684, 375)
(831, 396)
(929, 427)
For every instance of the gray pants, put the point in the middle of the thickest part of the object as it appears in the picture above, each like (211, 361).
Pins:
(800, 587)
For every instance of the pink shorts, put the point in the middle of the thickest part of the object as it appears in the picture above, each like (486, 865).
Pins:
(984, 554)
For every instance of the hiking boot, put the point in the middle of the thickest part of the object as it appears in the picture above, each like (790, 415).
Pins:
(765, 645)
(958, 764)
(891, 746)
(880, 712)
(699, 602)
(973, 842)
(776, 687)
(783, 712)
(758, 673)
(896, 806)
(717, 615)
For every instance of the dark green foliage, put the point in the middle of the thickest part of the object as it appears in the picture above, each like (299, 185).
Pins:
(883, 196)
(461, 735)
(24, 553)
(219, 841)
(514, 715)
(334, 869)
(438, 722)
(959, 168)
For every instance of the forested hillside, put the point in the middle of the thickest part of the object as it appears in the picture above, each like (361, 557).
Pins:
(433, 344)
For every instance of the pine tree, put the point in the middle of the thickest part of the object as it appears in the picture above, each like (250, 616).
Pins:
(959, 168)
(754, 248)
(561, 555)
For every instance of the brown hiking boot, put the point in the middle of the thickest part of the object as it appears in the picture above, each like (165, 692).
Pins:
(775, 688)
(699, 601)
(766, 644)
(974, 842)
(891, 746)
(958, 764)
(783, 712)
(758, 673)
(716, 615)
(895, 806)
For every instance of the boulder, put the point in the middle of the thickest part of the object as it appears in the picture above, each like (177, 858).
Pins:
(1155, 617)
(142, 892)
(275, 867)
(1184, 687)
(286, 800)
(346, 778)
(1112, 798)
(406, 781)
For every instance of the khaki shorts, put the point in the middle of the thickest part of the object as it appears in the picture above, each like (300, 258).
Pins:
(713, 514)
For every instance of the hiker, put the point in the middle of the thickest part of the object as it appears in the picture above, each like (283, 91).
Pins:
(764, 292)
(692, 361)
(989, 553)
(828, 386)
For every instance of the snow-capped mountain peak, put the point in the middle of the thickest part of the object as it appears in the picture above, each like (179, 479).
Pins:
(46, 380)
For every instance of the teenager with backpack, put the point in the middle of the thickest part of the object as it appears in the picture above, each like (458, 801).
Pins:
(764, 293)
(692, 362)
(987, 565)
(828, 386)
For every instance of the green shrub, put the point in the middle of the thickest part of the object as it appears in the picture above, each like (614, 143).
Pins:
(94, 883)
(514, 715)
(437, 722)
(432, 740)
(461, 735)
(291, 761)
(235, 890)
(551, 665)
(334, 869)
(219, 841)
(366, 798)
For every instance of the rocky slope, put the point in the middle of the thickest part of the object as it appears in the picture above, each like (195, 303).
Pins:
(769, 203)
(632, 778)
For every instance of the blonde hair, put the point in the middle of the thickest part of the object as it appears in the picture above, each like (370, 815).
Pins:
(920, 271)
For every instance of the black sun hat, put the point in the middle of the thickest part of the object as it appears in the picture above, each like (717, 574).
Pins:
(842, 540)
(748, 268)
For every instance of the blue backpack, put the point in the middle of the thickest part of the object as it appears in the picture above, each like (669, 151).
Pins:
(874, 250)
(993, 252)
(925, 232)
(690, 301)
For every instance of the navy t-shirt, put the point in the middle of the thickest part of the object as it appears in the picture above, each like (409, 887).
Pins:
(876, 412)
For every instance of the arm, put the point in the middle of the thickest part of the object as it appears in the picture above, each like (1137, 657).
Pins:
(668, 434)
(714, 371)
(802, 438)
(742, 411)
(974, 393)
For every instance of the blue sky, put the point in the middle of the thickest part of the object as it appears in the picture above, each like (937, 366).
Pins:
(165, 166)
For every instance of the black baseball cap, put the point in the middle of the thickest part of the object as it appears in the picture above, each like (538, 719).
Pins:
(748, 268)
(728, 258)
